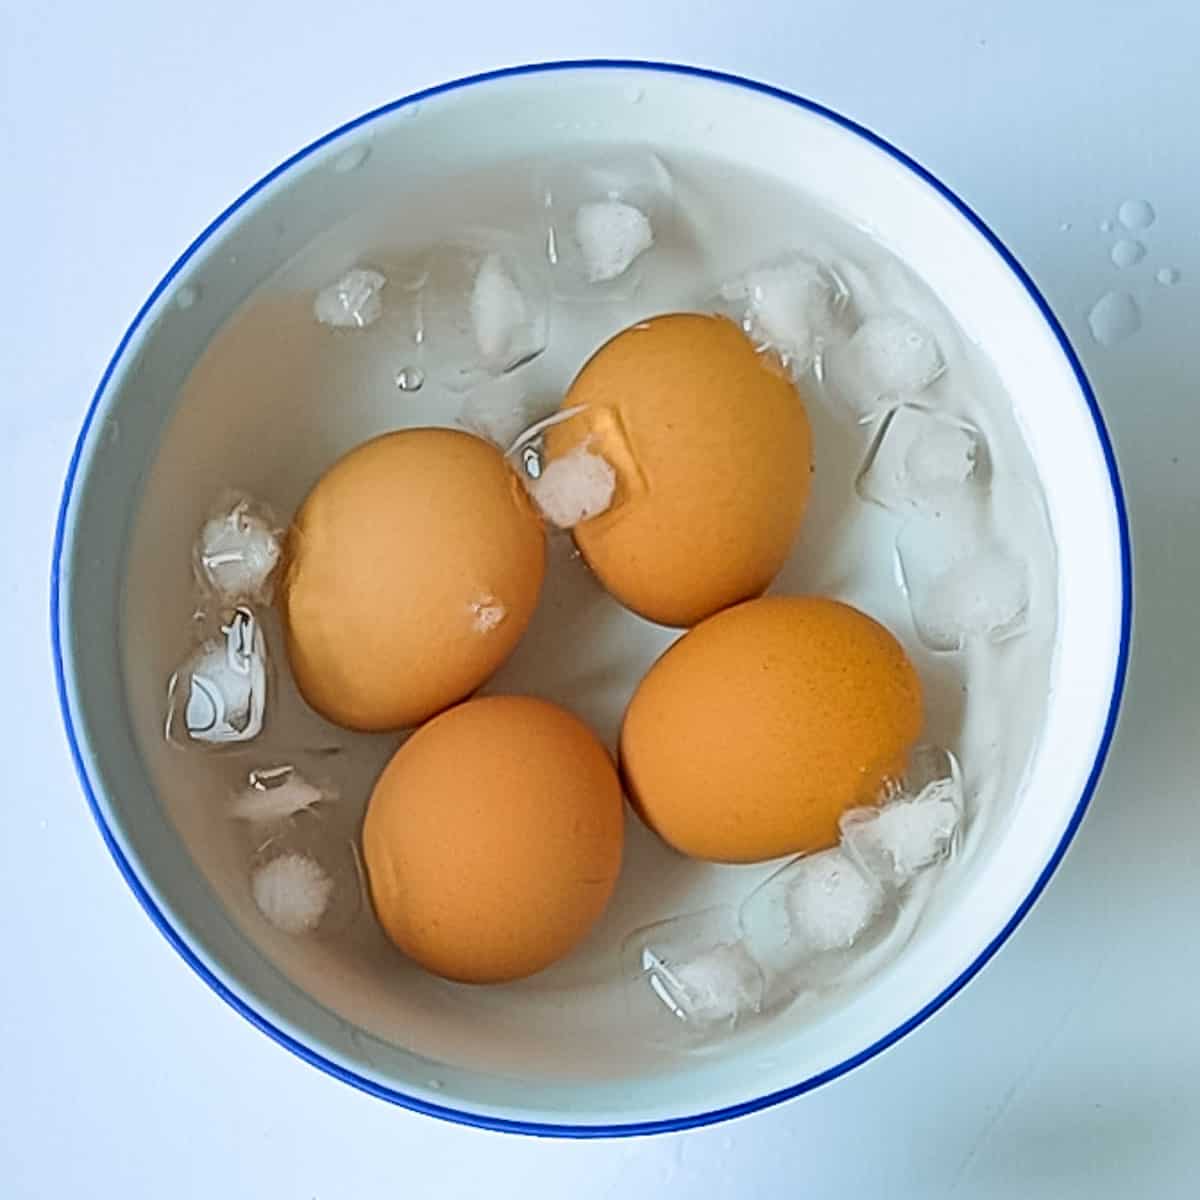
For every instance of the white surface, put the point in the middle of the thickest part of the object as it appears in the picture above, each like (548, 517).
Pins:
(1069, 1068)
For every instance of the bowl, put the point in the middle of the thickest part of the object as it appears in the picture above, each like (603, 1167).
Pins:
(523, 1059)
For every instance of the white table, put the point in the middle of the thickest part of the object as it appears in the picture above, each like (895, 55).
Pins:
(1071, 1066)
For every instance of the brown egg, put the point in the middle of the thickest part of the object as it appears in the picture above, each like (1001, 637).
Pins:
(493, 839)
(713, 455)
(757, 729)
(414, 568)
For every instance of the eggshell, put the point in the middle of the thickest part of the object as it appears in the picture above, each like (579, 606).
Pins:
(713, 453)
(493, 839)
(414, 567)
(757, 729)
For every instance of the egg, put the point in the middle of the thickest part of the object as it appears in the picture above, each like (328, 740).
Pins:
(493, 839)
(712, 450)
(414, 567)
(758, 728)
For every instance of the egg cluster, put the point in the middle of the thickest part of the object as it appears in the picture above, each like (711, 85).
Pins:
(680, 461)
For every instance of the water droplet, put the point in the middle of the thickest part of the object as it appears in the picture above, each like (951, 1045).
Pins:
(187, 296)
(1127, 252)
(1136, 214)
(635, 94)
(410, 379)
(1114, 317)
(436, 1084)
(1168, 276)
(412, 111)
(1065, 227)
(1106, 226)
(351, 159)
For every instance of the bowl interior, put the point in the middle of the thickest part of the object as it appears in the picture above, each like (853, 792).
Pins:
(198, 401)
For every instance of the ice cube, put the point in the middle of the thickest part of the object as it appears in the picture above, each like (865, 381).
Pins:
(610, 235)
(690, 977)
(292, 891)
(814, 906)
(479, 309)
(792, 305)
(573, 488)
(716, 987)
(218, 695)
(351, 302)
(963, 583)
(916, 827)
(237, 552)
(274, 794)
(602, 214)
(322, 885)
(919, 458)
(889, 355)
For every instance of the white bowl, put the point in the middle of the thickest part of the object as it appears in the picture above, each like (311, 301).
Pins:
(533, 111)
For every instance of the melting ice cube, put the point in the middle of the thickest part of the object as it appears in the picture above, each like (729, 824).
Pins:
(218, 696)
(690, 976)
(305, 873)
(715, 987)
(610, 235)
(292, 891)
(889, 355)
(273, 794)
(816, 907)
(575, 487)
(917, 826)
(919, 458)
(793, 305)
(963, 583)
(351, 302)
(237, 552)
(479, 309)
(602, 214)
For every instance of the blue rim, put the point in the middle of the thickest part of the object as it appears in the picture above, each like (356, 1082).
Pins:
(702, 1118)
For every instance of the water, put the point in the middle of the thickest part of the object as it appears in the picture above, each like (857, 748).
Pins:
(187, 296)
(1168, 276)
(1136, 214)
(1127, 253)
(1114, 317)
(323, 391)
